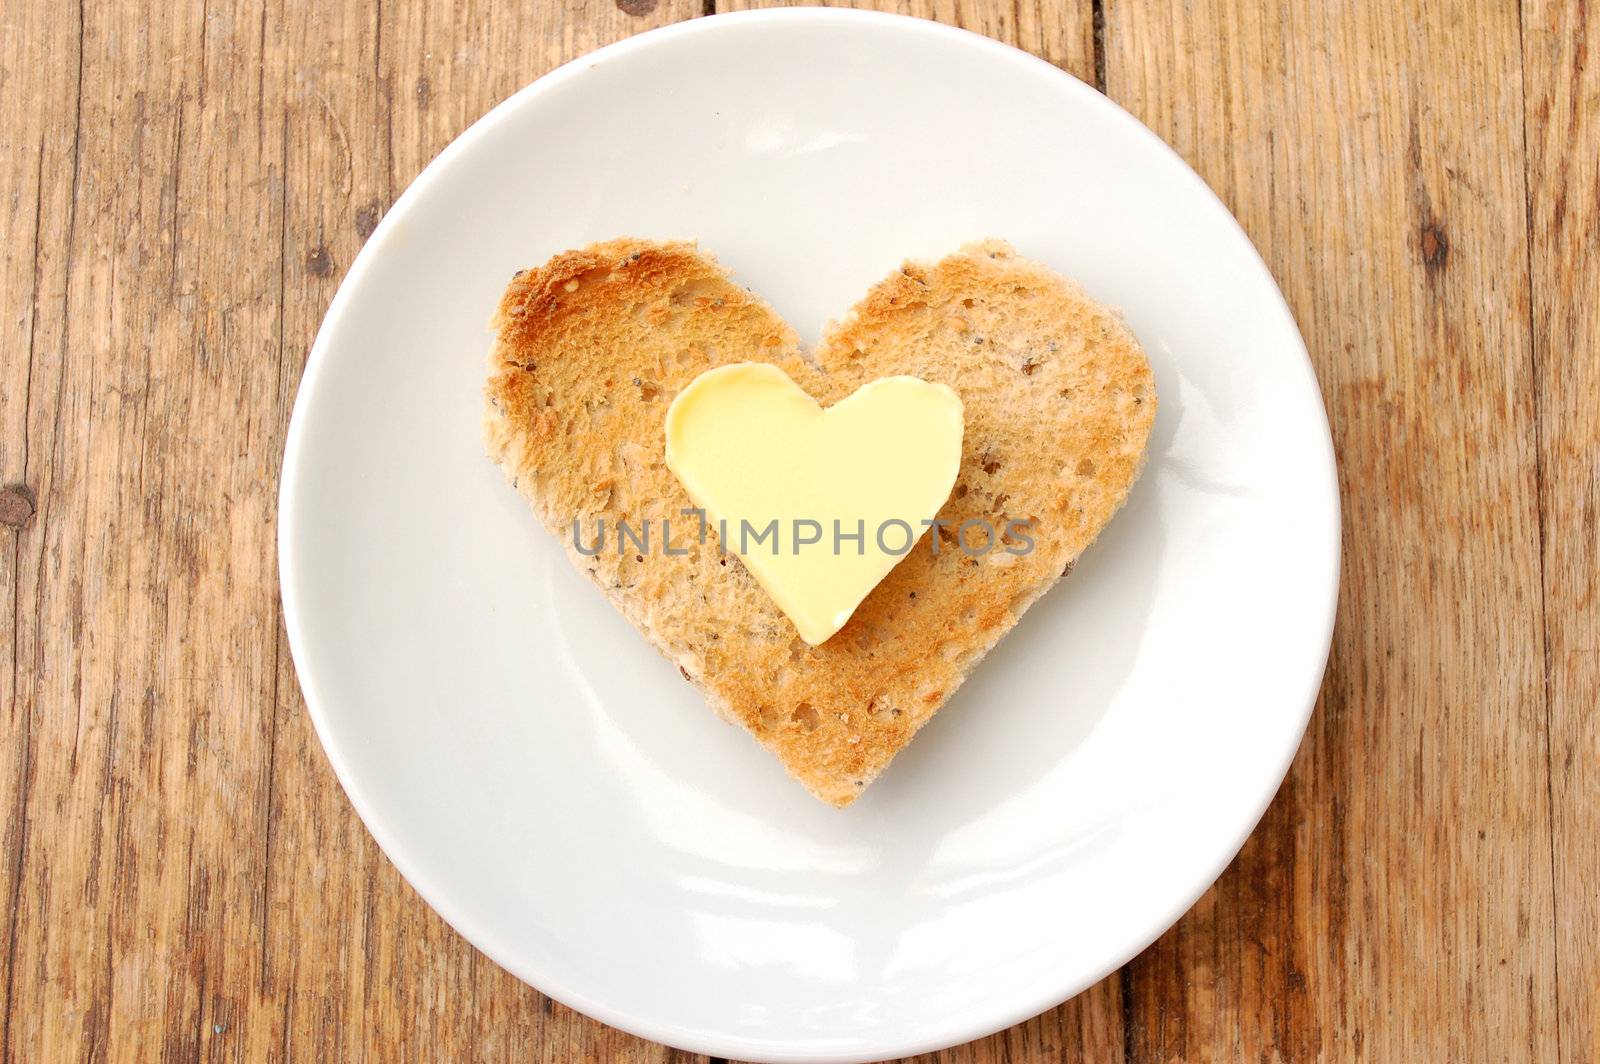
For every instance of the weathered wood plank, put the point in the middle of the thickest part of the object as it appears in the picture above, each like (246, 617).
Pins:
(38, 144)
(1561, 63)
(112, 780)
(1396, 903)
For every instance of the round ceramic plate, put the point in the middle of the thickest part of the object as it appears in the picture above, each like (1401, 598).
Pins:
(550, 784)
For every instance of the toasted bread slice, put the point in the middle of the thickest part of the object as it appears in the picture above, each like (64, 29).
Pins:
(592, 347)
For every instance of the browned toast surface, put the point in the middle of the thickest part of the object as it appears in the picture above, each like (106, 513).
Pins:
(592, 347)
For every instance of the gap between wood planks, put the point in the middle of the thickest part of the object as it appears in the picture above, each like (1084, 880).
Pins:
(40, 517)
(1098, 18)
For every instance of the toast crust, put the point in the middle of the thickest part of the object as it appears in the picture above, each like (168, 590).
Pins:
(590, 350)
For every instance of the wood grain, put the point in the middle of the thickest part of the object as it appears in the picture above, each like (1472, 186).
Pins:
(183, 185)
(1561, 64)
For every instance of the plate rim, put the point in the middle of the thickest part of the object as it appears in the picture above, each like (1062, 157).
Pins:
(960, 1031)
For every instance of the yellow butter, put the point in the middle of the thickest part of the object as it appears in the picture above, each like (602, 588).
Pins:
(864, 479)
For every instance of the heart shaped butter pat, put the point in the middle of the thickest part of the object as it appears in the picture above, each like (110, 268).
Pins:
(820, 504)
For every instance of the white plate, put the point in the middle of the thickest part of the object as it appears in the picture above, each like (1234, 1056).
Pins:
(553, 787)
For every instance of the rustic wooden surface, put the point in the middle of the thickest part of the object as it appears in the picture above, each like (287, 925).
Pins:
(182, 186)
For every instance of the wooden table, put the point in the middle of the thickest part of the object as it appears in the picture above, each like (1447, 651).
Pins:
(182, 185)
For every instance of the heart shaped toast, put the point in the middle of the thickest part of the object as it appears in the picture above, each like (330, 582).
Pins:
(591, 349)
(819, 503)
